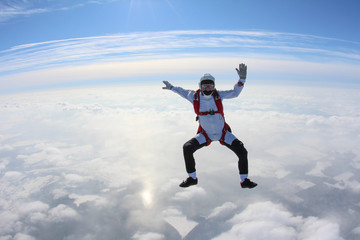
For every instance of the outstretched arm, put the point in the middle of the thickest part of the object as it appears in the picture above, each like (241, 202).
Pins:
(187, 94)
(241, 71)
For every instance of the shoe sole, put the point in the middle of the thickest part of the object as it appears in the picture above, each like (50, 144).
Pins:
(185, 186)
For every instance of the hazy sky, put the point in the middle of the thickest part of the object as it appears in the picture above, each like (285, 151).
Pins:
(55, 43)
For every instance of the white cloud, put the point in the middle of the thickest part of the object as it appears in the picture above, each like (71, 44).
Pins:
(266, 220)
(74, 178)
(120, 149)
(36, 184)
(59, 193)
(29, 208)
(19, 8)
(314, 228)
(157, 54)
(180, 222)
(5, 148)
(47, 154)
(9, 223)
(62, 213)
(80, 199)
(305, 184)
(3, 163)
(346, 180)
(21, 236)
(147, 236)
(190, 194)
(34, 212)
(318, 171)
(226, 207)
(175, 67)
(12, 176)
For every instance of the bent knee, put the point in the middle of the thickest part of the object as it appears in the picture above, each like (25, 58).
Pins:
(239, 146)
(186, 147)
(191, 145)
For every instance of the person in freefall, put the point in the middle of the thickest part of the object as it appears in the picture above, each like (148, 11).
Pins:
(207, 103)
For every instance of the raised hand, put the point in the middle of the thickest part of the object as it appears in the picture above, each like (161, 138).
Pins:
(242, 70)
(167, 85)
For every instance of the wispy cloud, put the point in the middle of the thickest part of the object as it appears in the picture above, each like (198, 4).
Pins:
(137, 45)
(160, 52)
(18, 8)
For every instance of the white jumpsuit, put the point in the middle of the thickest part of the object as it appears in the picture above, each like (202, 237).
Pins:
(212, 124)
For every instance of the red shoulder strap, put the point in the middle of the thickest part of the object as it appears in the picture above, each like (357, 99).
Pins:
(218, 102)
(196, 102)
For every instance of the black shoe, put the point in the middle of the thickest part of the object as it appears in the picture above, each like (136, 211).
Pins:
(248, 184)
(189, 182)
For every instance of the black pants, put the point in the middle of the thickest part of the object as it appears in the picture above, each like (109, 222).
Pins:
(237, 147)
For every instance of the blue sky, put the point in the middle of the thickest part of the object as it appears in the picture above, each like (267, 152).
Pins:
(303, 32)
(43, 20)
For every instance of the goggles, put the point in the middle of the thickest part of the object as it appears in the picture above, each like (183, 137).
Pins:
(207, 87)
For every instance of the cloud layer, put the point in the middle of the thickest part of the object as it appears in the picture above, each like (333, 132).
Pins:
(106, 162)
(179, 54)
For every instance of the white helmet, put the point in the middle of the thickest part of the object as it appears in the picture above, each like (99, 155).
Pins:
(208, 78)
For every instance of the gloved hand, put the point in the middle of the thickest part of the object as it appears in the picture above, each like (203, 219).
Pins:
(167, 85)
(242, 70)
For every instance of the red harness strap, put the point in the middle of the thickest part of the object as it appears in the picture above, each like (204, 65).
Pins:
(220, 110)
(208, 140)
(218, 103)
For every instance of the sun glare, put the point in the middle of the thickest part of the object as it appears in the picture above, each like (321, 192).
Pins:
(150, 11)
(147, 198)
